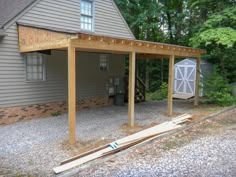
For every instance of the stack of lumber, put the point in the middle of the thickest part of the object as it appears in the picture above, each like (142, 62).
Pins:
(123, 143)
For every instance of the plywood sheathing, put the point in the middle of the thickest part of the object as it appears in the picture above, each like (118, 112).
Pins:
(35, 39)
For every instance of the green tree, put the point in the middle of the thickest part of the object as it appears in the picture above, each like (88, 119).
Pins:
(218, 36)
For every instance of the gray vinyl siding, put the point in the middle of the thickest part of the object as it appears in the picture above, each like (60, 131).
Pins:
(65, 15)
(108, 20)
(15, 91)
(91, 82)
(61, 14)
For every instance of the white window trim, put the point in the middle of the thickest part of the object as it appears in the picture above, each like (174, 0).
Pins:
(44, 69)
(93, 17)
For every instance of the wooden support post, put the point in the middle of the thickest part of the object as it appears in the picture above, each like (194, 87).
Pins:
(131, 88)
(170, 85)
(196, 99)
(72, 93)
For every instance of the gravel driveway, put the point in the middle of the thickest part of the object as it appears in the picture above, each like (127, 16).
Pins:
(33, 148)
(208, 149)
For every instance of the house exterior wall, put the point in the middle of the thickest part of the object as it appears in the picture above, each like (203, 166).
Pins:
(15, 91)
(65, 15)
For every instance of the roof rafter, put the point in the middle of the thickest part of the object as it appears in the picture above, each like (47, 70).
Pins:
(36, 39)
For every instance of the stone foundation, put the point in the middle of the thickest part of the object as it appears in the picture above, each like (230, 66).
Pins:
(22, 113)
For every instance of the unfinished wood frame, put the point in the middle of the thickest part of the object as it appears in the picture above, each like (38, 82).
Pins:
(170, 85)
(33, 39)
(72, 94)
(132, 61)
(196, 99)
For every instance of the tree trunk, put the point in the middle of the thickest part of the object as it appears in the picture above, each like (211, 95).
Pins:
(169, 26)
(162, 71)
(147, 78)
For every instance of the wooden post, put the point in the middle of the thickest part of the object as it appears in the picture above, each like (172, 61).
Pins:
(170, 85)
(72, 93)
(131, 89)
(196, 99)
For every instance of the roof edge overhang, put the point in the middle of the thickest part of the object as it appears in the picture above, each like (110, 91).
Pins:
(41, 38)
(60, 30)
(6, 24)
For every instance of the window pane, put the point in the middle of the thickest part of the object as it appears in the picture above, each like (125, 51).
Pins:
(40, 60)
(29, 60)
(86, 15)
(35, 76)
(40, 76)
(40, 68)
(35, 61)
(34, 67)
(29, 76)
(104, 62)
(29, 69)
(86, 8)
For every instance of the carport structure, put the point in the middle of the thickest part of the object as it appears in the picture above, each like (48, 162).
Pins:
(32, 39)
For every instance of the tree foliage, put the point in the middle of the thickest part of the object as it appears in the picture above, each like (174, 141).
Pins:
(218, 36)
(208, 24)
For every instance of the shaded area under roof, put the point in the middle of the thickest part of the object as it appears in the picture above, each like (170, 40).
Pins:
(11, 8)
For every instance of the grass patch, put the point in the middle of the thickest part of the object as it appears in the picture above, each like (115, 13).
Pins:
(154, 96)
(55, 114)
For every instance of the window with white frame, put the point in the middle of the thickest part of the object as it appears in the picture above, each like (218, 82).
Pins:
(35, 67)
(104, 62)
(86, 19)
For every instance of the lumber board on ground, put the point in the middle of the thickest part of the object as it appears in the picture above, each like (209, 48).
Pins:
(84, 154)
(182, 96)
(182, 117)
(123, 143)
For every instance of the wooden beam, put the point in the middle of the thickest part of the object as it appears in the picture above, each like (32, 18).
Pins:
(154, 56)
(196, 99)
(145, 48)
(170, 85)
(132, 59)
(36, 39)
(60, 44)
(72, 94)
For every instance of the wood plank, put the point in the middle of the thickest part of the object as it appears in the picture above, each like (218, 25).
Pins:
(136, 45)
(126, 142)
(72, 94)
(119, 47)
(178, 119)
(84, 154)
(60, 44)
(182, 96)
(132, 61)
(196, 99)
(170, 85)
(122, 143)
(35, 39)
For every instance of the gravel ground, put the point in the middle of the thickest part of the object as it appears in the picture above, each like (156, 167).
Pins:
(209, 150)
(35, 147)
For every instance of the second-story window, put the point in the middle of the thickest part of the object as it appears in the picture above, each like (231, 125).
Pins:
(86, 19)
